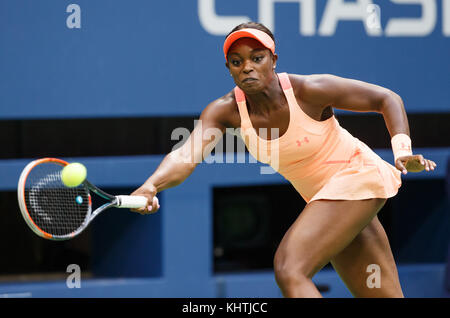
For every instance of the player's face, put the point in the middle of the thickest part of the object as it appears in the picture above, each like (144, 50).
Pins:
(251, 64)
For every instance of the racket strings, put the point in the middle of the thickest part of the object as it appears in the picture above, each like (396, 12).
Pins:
(53, 207)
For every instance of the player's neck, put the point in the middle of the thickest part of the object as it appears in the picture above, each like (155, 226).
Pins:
(268, 99)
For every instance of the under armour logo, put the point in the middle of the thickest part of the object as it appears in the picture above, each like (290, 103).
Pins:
(299, 143)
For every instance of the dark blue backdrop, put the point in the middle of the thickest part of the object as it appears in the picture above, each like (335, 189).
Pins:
(129, 57)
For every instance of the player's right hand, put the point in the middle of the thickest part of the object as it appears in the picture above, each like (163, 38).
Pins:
(148, 191)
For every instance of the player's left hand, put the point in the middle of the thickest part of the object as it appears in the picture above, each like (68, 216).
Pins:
(414, 163)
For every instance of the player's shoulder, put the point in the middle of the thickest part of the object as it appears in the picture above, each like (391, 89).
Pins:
(305, 85)
(301, 81)
(224, 108)
(226, 101)
(223, 104)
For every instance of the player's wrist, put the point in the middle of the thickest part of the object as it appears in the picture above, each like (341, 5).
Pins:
(401, 146)
(150, 187)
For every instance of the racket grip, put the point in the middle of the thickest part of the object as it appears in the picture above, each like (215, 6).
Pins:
(131, 201)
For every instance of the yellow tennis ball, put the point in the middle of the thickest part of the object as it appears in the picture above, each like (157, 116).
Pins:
(73, 174)
(414, 166)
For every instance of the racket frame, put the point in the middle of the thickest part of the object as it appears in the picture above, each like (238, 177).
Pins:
(22, 202)
(113, 201)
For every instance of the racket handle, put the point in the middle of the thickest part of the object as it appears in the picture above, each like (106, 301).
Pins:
(131, 201)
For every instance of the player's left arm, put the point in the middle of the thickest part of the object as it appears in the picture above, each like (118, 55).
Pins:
(326, 90)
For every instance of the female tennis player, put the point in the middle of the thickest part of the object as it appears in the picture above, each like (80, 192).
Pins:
(342, 180)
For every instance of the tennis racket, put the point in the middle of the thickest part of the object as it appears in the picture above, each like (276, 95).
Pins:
(56, 212)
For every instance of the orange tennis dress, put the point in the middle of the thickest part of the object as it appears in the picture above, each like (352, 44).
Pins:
(321, 159)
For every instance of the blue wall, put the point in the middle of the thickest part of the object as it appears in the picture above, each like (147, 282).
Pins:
(129, 56)
(164, 58)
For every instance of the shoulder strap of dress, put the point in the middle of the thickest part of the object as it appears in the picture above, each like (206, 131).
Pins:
(284, 81)
(239, 95)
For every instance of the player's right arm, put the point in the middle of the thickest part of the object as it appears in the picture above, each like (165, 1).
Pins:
(180, 163)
